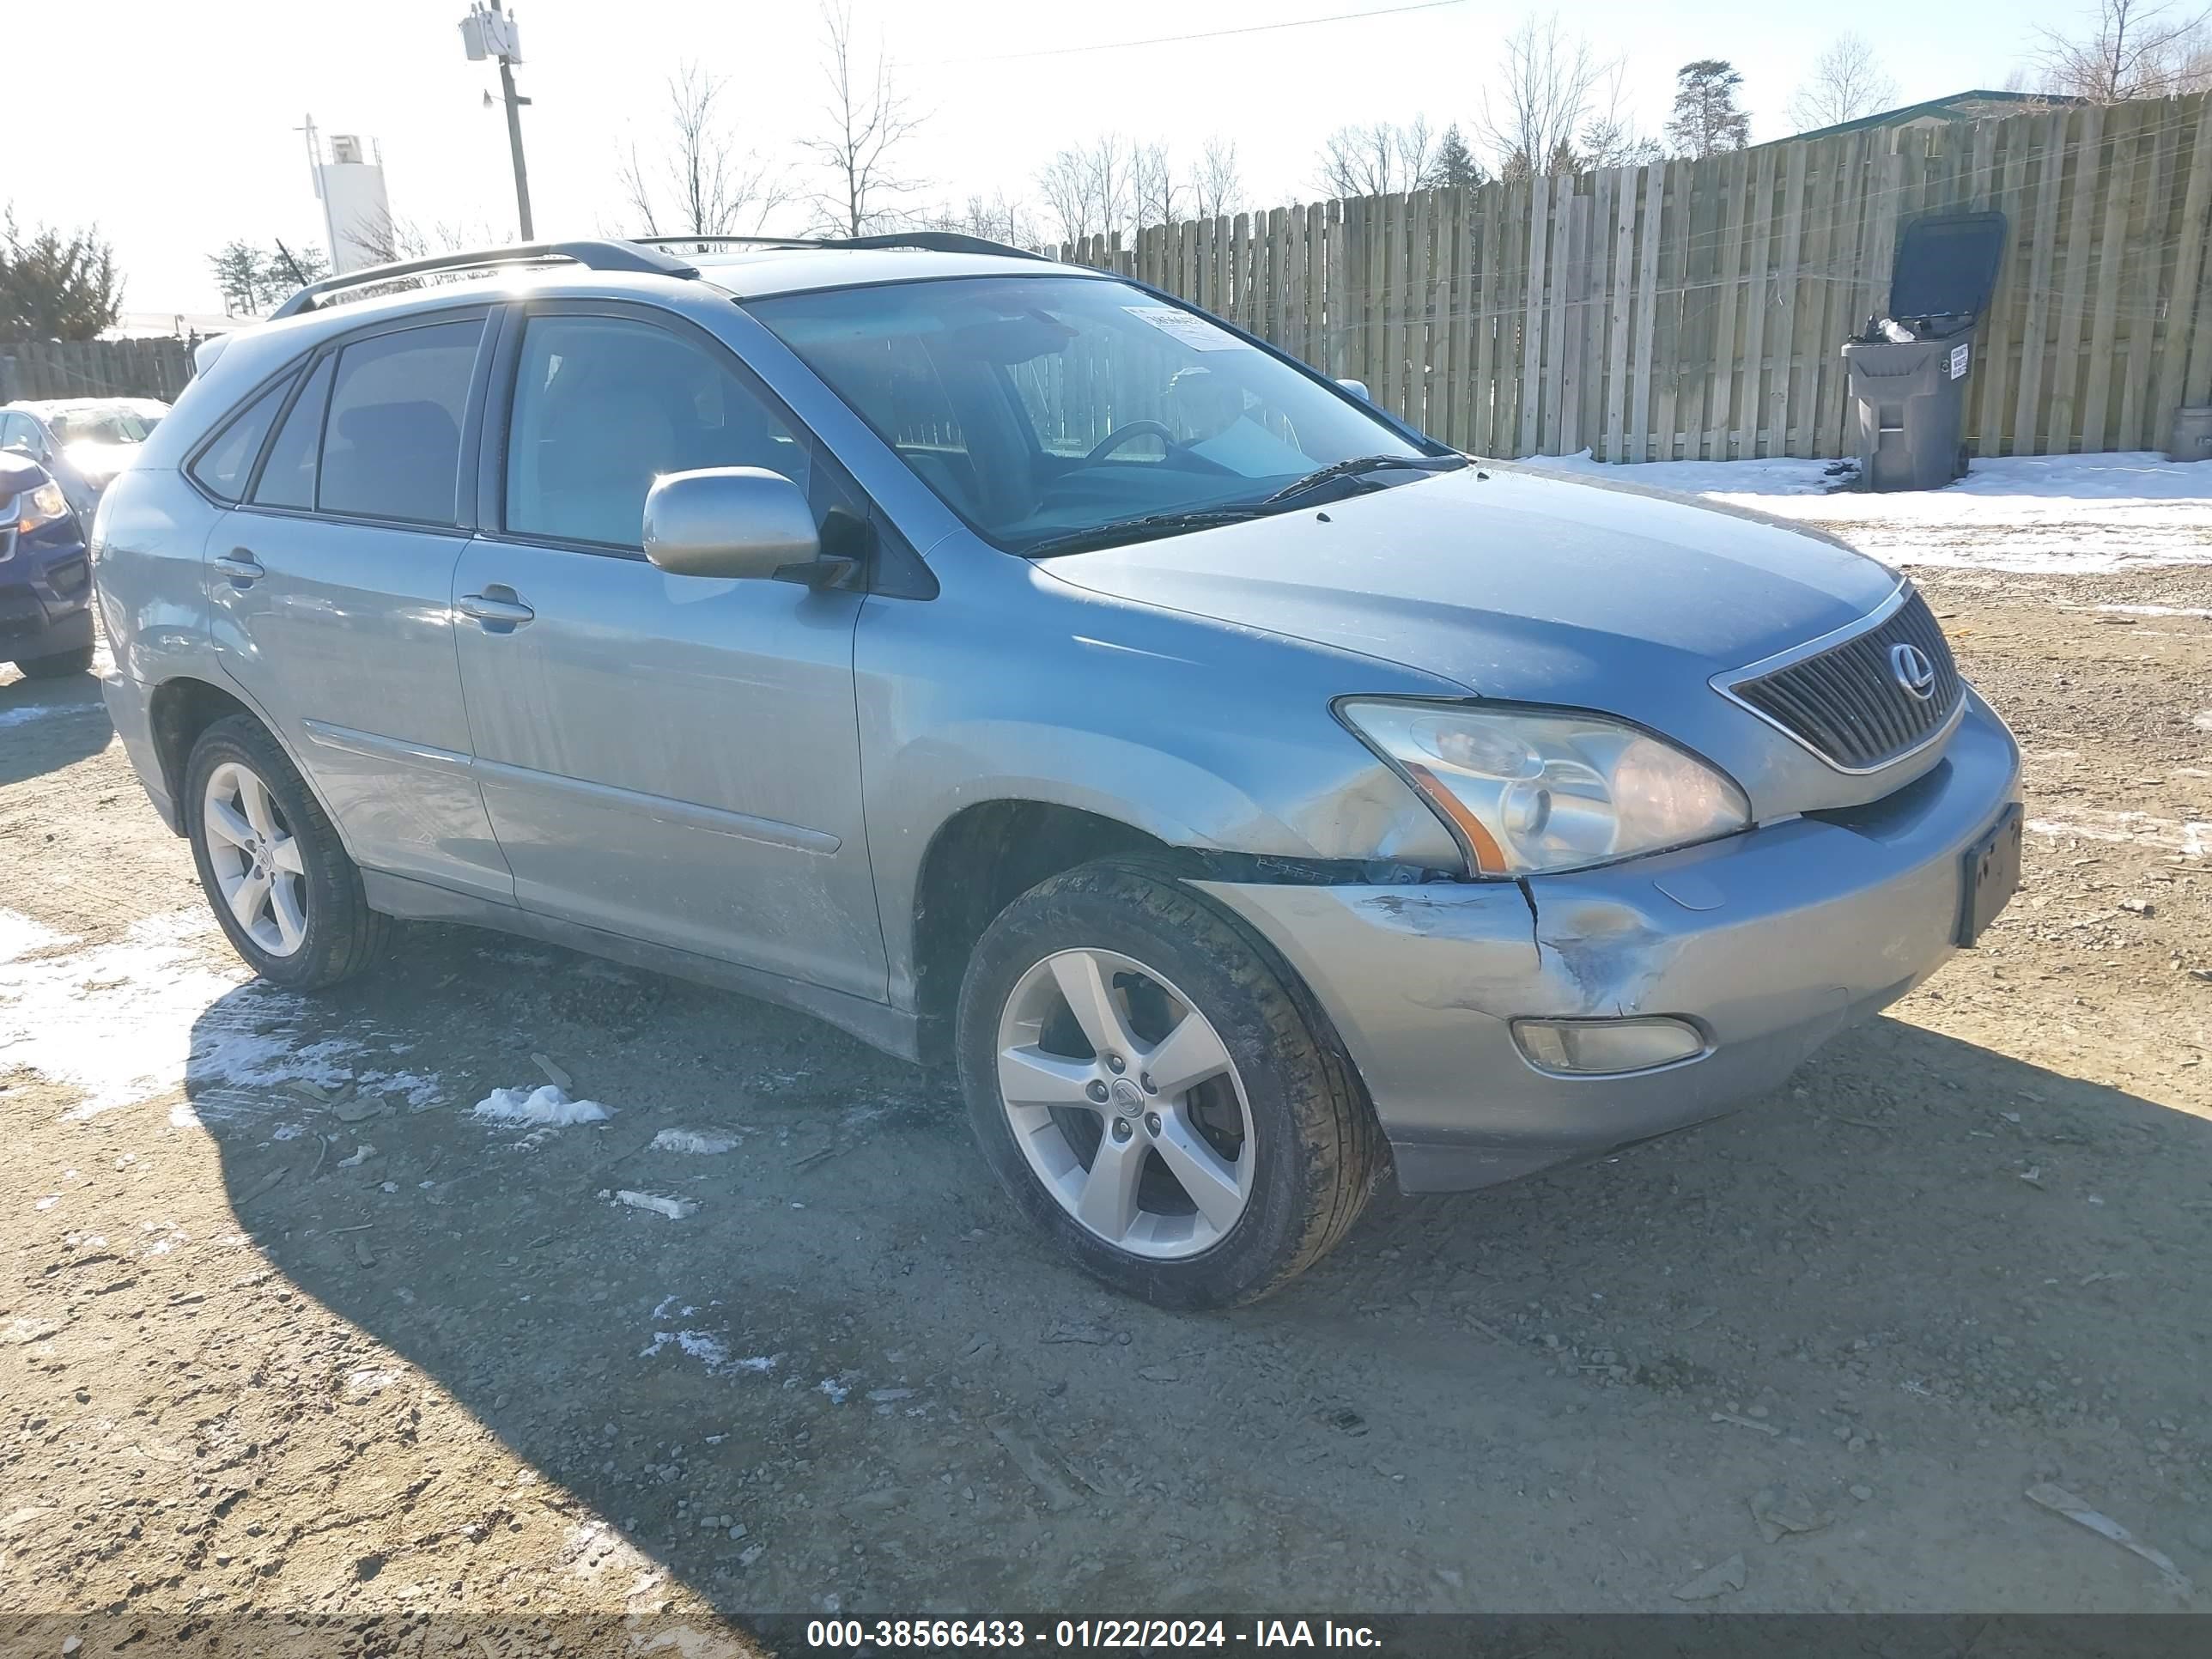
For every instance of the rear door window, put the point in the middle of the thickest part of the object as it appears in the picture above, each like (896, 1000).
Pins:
(391, 441)
(287, 476)
(604, 405)
(224, 465)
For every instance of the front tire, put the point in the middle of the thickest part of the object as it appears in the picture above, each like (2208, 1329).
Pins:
(60, 666)
(1155, 1092)
(275, 872)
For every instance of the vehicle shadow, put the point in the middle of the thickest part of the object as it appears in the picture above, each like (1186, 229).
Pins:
(45, 724)
(851, 1371)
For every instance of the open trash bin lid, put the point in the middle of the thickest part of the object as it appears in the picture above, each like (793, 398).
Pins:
(1946, 264)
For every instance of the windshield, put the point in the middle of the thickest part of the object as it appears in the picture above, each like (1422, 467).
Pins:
(1041, 408)
(102, 423)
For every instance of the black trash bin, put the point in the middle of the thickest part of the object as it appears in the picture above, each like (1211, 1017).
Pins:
(1908, 371)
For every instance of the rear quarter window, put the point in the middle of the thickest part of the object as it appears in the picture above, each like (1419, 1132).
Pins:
(225, 465)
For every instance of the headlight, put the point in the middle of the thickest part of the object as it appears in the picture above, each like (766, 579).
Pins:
(1526, 792)
(35, 507)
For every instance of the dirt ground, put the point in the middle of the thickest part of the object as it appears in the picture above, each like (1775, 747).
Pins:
(282, 1328)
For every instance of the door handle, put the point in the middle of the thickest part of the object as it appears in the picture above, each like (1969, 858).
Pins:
(496, 608)
(241, 566)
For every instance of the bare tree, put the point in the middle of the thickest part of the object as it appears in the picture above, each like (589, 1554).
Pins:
(1550, 79)
(995, 219)
(1608, 137)
(1090, 190)
(865, 123)
(388, 237)
(1378, 158)
(701, 185)
(1216, 184)
(1155, 193)
(2136, 49)
(1847, 81)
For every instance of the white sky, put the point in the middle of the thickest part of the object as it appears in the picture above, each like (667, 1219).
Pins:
(172, 123)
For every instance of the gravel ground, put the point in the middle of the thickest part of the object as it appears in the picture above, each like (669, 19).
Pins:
(284, 1329)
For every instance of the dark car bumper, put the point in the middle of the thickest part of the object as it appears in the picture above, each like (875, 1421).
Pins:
(46, 595)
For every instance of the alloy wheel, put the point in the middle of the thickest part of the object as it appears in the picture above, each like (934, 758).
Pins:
(256, 859)
(1126, 1103)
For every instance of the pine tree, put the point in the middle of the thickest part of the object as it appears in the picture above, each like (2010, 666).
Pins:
(237, 268)
(1454, 166)
(1706, 120)
(56, 287)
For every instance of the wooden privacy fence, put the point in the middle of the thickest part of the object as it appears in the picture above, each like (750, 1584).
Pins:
(95, 368)
(1692, 310)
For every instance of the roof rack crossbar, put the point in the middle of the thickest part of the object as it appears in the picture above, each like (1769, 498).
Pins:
(603, 255)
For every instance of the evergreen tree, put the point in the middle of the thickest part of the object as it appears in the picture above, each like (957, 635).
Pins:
(56, 287)
(1706, 118)
(1454, 166)
(237, 268)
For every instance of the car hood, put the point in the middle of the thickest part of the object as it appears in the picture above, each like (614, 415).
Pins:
(1511, 584)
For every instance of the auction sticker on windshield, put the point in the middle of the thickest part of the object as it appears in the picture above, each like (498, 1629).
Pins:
(1194, 331)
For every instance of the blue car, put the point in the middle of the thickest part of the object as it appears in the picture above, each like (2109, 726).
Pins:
(46, 578)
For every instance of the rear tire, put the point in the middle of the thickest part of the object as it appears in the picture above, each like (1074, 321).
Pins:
(270, 861)
(1277, 1106)
(60, 666)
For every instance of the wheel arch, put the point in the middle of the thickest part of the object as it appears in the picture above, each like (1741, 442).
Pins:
(181, 708)
(981, 859)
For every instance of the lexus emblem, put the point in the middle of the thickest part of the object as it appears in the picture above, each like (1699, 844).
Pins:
(1910, 666)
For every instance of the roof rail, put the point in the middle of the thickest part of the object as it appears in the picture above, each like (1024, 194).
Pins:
(935, 242)
(716, 238)
(606, 255)
(932, 241)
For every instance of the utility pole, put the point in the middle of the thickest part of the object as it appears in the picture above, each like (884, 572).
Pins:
(488, 32)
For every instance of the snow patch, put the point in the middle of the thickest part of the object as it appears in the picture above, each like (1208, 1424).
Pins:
(709, 1349)
(26, 712)
(676, 1209)
(2021, 513)
(690, 1140)
(2190, 837)
(544, 1104)
(141, 1017)
(20, 936)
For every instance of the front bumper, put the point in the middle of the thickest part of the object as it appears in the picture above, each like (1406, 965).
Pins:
(1769, 942)
(46, 596)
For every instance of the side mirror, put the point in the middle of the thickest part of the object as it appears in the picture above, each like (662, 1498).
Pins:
(1356, 388)
(731, 521)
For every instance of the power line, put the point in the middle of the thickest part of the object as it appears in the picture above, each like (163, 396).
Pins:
(1208, 34)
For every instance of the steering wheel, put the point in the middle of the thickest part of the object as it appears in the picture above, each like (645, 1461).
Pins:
(1122, 435)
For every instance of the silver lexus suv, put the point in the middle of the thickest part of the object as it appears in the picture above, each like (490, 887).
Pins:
(1016, 667)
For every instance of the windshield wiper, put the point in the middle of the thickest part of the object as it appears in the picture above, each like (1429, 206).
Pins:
(1359, 463)
(1143, 529)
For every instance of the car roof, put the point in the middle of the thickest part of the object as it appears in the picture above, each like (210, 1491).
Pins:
(598, 269)
(736, 265)
(756, 273)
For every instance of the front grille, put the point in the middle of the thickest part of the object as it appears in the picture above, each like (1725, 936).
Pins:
(1846, 704)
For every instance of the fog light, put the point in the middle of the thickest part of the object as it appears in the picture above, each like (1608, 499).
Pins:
(1599, 1046)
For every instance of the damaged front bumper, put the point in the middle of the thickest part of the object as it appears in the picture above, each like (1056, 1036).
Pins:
(1768, 943)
